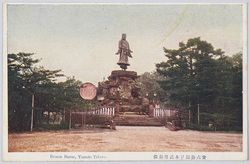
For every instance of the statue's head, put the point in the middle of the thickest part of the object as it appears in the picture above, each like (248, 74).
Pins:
(124, 36)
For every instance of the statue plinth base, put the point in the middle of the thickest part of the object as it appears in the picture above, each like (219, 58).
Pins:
(120, 73)
(121, 86)
(123, 66)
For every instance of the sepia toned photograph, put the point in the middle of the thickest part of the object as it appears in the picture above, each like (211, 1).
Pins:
(124, 82)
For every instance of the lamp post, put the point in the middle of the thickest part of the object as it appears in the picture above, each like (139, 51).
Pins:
(151, 108)
(151, 104)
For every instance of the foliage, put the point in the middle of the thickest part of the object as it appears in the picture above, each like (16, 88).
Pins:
(150, 88)
(61, 126)
(196, 73)
(232, 129)
(199, 127)
(220, 121)
(26, 79)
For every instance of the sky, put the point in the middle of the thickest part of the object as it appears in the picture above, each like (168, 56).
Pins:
(82, 39)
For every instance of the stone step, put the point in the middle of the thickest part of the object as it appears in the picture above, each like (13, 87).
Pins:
(138, 120)
(128, 113)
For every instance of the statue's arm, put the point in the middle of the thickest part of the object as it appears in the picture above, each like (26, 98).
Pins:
(119, 48)
(120, 44)
(129, 49)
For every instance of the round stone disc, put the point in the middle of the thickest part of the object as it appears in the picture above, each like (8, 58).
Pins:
(88, 91)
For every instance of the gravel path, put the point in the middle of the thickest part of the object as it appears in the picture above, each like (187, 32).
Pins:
(124, 139)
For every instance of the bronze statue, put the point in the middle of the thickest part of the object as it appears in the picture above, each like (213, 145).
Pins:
(124, 52)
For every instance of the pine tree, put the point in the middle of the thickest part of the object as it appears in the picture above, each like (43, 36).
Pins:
(191, 71)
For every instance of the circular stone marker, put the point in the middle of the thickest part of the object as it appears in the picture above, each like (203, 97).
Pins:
(88, 91)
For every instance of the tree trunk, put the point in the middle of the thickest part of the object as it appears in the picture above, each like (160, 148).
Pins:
(194, 111)
(64, 113)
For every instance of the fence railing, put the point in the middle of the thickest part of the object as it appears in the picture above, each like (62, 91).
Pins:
(165, 112)
(110, 110)
(101, 111)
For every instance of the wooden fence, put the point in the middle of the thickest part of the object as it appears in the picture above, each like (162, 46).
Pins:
(164, 112)
(108, 110)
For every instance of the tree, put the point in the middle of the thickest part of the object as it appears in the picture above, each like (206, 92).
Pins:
(237, 87)
(71, 96)
(24, 79)
(196, 73)
(61, 96)
(150, 88)
(191, 74)
(233, 101)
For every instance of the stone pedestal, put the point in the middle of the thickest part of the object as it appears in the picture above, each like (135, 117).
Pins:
(121, 85)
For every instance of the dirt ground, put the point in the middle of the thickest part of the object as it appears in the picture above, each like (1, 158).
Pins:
(124, 139)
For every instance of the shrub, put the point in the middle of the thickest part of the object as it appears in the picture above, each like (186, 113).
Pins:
(199, 127)
(61, 126)
(212, 128)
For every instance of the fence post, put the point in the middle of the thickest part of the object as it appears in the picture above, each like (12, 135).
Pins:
(84, 120)
(32, 112)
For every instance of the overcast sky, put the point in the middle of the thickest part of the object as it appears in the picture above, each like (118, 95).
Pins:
(82, 39)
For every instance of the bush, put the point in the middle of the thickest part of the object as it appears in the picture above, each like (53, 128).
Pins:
(170, 119)
(199, 127)
(230, 128)
(217, 121)
(213, 128)
(62, 126)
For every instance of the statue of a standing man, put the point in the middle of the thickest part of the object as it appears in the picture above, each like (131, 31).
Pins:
(124, 52)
